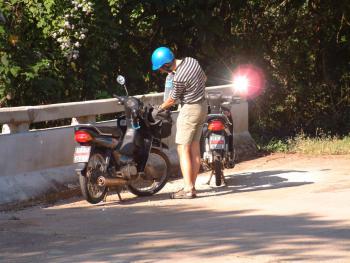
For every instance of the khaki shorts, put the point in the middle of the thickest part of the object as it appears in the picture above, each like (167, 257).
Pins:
(190, 122)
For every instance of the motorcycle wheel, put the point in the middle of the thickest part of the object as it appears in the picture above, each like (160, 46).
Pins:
(217, 170)
(149, 185)
(92, 192)
(233, 158)
(231, 163)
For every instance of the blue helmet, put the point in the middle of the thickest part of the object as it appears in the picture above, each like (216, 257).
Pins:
(161, 56)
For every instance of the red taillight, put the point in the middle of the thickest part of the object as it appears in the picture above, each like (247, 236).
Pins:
(216, 126)
(82, 136)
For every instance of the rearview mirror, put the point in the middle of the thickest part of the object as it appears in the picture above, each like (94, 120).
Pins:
(121, 79)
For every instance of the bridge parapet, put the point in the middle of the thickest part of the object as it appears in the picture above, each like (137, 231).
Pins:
(18, 119)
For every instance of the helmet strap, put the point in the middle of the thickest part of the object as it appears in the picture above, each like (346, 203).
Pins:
(168, 67)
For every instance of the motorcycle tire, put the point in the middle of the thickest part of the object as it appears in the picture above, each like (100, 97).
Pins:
(231, 163)
(162, 180)
(92, 192)
(233, 158)
(217, 170)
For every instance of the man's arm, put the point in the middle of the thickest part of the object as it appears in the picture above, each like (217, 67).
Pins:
(174, 95)
(167, 104)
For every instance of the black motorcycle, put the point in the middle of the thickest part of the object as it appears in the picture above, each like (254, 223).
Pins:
(217, 148)
(129, 154)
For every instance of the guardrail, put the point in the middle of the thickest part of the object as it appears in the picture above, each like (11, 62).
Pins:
(18, 119)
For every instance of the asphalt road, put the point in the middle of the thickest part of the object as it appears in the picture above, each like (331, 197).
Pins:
(280, 208)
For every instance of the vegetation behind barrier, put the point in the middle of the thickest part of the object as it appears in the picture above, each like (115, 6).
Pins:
(58, 51)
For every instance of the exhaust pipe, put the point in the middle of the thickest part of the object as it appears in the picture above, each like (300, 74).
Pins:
(103, 181)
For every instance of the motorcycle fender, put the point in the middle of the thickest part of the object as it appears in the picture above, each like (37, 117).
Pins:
(106, 142)
(218, 153)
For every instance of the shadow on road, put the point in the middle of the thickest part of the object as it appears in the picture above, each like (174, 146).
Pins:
(145, 233)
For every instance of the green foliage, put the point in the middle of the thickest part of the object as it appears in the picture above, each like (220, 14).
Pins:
(275, 145)
(307, 64)
(62, 50)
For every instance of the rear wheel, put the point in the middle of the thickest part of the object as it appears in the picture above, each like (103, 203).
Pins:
(231, 159)
(217, 169)
(92, 192)
(157, 172)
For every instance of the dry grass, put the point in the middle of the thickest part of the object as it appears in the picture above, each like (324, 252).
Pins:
(319, 145)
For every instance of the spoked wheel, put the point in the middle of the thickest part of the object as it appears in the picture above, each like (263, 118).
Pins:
(92, 192)
(157, 172)
(217, 169)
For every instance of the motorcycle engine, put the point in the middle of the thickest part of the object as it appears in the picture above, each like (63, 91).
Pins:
(128, 168)
(129, 171)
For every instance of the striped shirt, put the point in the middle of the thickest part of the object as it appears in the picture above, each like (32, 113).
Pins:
(188, 82)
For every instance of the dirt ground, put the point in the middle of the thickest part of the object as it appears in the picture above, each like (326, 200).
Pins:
(278, 208)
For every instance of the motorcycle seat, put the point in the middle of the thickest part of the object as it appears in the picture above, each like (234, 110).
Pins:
(109, 131)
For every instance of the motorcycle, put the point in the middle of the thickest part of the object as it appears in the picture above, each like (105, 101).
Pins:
(129, 154)
(217, 149)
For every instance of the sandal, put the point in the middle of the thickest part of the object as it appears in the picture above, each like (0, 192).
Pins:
(182, 194)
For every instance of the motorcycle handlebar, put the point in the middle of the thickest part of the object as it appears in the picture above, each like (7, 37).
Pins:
(120, 99)
(231, 99)
(219, 97)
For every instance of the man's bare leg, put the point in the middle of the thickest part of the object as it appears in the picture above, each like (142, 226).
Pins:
(184, 152)
(196, 161)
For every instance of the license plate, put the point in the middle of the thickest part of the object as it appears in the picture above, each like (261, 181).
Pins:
(217, 142)
(82, 154)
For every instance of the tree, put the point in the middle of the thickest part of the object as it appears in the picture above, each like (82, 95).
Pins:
(59, 50)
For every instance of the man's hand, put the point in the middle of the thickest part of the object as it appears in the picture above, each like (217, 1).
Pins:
(167, 104)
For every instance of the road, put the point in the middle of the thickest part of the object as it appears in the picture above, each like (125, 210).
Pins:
(278, 208)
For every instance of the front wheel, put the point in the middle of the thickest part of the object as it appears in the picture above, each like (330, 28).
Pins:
(92, 192)
(217, 169)
(156, 175)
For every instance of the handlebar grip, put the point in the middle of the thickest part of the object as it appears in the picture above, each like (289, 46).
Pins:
(230, 98)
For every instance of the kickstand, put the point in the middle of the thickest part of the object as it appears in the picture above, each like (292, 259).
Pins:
(118, 193)
(211, 175)
(223, 180)
(119, 196)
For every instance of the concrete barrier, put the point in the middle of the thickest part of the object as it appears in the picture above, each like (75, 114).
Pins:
(38, 162)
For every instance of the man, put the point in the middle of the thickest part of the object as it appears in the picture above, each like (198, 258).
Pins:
(188, 86)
